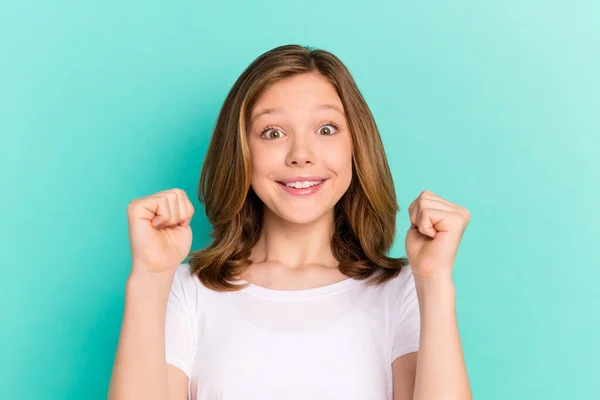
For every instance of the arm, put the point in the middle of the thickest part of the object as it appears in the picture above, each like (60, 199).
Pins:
(140, 370)
(437, 370)
(441, 371)
(432, 241)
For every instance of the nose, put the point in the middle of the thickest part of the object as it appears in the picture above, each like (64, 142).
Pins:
(300, 152)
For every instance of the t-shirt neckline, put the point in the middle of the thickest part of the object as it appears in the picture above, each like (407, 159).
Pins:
(283, 294)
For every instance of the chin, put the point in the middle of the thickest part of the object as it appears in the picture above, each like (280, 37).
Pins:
(299, 217)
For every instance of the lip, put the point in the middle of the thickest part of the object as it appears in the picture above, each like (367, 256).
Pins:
(302, 179)
(303, 191)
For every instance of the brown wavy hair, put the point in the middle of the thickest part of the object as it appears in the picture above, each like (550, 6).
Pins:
(365, 216)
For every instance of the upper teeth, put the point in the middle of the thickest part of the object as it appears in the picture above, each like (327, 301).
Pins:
(304, 184)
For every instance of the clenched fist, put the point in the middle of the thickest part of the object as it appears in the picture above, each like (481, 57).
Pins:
(159, 230)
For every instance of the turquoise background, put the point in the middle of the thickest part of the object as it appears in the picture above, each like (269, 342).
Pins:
(492, 105)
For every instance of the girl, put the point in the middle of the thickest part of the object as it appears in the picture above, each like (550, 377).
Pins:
(295, 298)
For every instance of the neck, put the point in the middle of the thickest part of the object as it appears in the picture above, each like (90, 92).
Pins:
(295, 245)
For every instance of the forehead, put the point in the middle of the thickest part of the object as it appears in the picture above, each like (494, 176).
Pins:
(311, 92)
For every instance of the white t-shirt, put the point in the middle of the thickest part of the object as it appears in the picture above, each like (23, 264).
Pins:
(333, 342)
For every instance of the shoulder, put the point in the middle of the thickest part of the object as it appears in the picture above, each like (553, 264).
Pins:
(190, 290)
(405, 277)
(398, 295)
(184, 279)
(186, 289)
(401, 286)
(184, 274)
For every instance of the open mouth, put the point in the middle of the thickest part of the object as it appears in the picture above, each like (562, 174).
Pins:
(302, 185)
(302, 188)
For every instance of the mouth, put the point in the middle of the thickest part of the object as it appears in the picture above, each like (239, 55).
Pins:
(302, 188)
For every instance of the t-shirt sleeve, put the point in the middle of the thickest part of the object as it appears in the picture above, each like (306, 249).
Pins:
(180, 321)
(408, 318)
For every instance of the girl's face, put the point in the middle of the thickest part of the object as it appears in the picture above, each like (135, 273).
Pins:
(298, 136)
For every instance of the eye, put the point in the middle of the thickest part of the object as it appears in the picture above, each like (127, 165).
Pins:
(327, 131)
(271, 133)
(274, 133)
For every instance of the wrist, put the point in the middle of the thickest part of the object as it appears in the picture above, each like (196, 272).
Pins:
(432, 281)
(435, 291)
(141, 278)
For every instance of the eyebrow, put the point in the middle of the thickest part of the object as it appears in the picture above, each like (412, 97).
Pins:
(313, 109)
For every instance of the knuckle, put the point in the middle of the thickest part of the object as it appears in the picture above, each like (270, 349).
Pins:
(129, 209)
(164, 201)
(172, 196)
(133, 204)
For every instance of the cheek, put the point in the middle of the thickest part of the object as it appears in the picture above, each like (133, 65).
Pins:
(339, 159)
(264, 161)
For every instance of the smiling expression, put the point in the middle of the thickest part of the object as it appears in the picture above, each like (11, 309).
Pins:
(300, 147)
